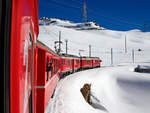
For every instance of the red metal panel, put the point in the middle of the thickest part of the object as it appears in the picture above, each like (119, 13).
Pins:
(45, 86)
(66, 67)
(41, 67)
(22, 24)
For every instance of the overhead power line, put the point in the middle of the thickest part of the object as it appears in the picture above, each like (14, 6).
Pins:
(68, 5)
(114, 19)
(78, 2)
(119, 21)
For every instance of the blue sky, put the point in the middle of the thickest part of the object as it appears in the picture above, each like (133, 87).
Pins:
(111, 14)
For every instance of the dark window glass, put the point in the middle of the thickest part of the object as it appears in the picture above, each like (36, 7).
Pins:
(47, 68)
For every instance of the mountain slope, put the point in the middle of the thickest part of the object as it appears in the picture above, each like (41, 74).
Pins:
(100, 40)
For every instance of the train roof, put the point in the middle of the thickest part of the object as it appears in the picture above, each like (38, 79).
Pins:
(74, 56)
(68, 55)
(90, 57)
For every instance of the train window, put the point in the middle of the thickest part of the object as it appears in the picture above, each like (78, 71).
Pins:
(67, 62)
(64, 62)
(54, 66)
(70, 62)
(47, 68)
(50, 71)
(57, 65)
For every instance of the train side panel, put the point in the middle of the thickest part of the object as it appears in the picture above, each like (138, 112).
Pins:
(76, 64)
(86, 63)
(66, 65)
(96, 62)
(48, 75)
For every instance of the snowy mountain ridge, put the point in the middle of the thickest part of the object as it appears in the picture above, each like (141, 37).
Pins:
(70, 24)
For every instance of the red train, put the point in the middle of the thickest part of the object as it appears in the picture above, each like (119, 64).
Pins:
(71, 63)
(51, 67)
(30, 70)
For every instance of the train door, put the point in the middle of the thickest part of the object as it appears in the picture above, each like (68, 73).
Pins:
(5, 34)
(92, 63)
(73, 65)
(80, 63)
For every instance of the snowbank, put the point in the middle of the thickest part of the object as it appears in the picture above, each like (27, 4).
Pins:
(114, 90)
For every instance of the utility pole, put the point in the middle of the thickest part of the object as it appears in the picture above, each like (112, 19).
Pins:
(66, 46)
(59, 42)
(111, 56)
(133, 55)
(84, 12)
(89, 50)
(125, 44)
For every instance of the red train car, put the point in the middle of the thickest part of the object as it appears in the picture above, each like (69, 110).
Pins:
(76, 64)
(69, 64)
(96, 62)
(90, 62)
(48, 75)
(18, 33)
(86, 63)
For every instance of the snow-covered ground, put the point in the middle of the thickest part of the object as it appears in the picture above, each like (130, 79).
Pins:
(115, 89)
